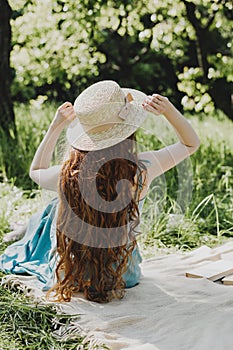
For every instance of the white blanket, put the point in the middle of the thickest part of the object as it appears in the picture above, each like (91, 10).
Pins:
(166, 311)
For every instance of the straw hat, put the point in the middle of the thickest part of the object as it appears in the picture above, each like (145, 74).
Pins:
(106, 115)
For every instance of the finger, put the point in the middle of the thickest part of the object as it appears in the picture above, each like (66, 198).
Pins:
(70, 113)
(151, 109)
(153, 102)
(158, 97)
(65, 105)
(68, 103)
(67, 111)
(157, 102)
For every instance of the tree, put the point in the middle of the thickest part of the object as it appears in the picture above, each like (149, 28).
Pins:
(210, 43)
(181, 48)
(7, 118)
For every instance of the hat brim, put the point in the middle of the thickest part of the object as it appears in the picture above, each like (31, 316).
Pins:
(90, 140)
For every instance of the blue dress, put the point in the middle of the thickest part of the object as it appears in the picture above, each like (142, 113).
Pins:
(35, 254)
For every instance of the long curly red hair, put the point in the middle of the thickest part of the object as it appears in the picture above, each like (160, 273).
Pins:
(97, 215)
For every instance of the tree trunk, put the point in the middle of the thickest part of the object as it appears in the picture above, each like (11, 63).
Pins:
(7, 118)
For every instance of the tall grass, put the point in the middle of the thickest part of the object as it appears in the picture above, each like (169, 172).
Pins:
(192, 204)
(31, 122)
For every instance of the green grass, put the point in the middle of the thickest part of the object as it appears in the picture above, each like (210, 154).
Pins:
(27, 324)
(183, 218)
(15, 159)
(190, 205)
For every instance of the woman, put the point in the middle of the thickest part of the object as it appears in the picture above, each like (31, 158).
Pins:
(85, 240)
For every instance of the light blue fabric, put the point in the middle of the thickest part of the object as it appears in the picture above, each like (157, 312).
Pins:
(35, 254)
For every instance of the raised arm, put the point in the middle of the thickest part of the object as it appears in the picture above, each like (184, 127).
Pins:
(40, 171)
(168, 157)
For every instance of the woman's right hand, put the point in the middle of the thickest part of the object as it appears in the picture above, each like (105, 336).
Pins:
(65, 114)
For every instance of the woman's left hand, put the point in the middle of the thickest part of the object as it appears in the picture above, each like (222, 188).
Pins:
(158, 104)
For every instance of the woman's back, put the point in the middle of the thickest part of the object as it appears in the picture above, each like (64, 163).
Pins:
(98, 213)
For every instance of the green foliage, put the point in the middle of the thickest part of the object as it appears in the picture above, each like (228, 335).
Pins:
(179, 48)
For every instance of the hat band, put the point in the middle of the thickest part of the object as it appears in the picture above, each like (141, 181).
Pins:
(126, 108)
(125, 111)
